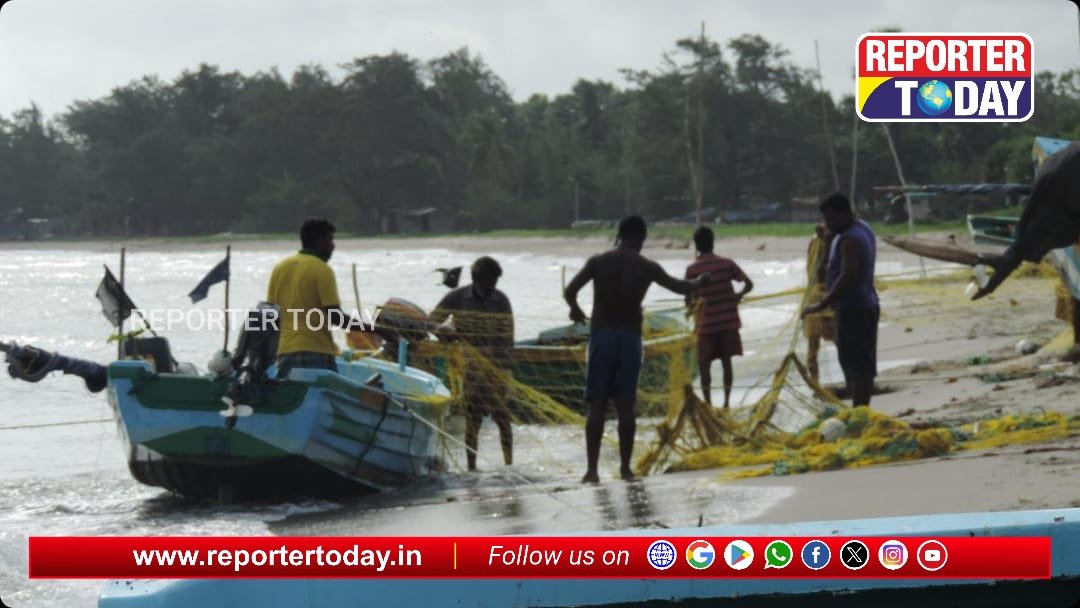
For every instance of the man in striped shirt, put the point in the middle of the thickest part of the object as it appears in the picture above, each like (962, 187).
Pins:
(716, 312)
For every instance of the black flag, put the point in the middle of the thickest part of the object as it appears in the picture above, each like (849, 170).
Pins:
(115, 303)
(218, 274)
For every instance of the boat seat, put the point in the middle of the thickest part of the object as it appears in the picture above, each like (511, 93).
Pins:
(155, 350)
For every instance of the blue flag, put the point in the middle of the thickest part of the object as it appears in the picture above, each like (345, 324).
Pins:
(218, 274)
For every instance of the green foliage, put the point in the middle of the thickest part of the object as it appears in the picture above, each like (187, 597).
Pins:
(212, 151)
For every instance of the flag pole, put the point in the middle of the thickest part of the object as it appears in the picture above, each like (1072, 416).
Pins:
(120, 330)
(228, 276)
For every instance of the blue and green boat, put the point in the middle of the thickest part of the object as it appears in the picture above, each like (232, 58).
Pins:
(371, 424)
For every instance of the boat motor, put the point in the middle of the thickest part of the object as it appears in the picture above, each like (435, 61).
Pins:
(256, 350)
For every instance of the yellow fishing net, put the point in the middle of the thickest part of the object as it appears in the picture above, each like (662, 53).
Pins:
(791, 424)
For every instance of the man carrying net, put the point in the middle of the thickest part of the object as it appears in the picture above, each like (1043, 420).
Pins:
(484, 321)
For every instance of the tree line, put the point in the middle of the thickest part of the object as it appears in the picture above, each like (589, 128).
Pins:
(737, 124)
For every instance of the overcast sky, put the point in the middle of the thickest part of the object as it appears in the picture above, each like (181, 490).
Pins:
(58, 51)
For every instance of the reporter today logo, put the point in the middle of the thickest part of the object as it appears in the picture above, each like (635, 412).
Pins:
(924, 77)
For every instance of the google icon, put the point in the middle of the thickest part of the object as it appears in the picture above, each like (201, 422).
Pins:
(700, 554)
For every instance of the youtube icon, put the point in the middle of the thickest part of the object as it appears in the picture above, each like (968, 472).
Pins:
(932, 555)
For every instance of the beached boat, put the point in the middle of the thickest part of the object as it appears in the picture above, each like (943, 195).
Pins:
(239, 432)
(945, 251)
(1061, 590)
(554, 362)
(371, 424)
(992, 230)
(763, 213)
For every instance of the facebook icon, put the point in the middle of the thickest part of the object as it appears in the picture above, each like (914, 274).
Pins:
(815, 555)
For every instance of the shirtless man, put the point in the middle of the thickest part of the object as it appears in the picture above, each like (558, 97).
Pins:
(620, 278)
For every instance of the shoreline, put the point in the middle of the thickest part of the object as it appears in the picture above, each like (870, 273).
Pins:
(751, 247)
(928, 328)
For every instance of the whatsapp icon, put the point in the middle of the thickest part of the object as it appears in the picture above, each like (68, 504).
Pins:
(777, 554)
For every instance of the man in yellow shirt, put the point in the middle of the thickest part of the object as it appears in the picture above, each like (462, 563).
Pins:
(305, 292)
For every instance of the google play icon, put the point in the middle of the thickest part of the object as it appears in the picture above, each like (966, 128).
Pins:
(739, 555)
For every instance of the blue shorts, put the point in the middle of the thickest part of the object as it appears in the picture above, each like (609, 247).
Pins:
(614, 364)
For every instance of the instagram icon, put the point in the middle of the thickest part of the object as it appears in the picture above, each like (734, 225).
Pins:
(892, 554)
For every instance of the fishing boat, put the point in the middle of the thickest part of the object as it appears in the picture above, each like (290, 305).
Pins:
(554, 362)
(1060, 590)
(763, 213)
(992, 230)
(238, 432)
(369, 424)
(945, 251)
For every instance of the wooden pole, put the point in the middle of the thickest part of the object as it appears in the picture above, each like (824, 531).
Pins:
(699, 195)
(903, 184)
(825, 122)
(356, 290)
(854, 151)
(228, 277)
(120, 329)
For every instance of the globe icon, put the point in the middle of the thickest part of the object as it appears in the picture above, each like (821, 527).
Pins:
(661, 554)
(934, 97)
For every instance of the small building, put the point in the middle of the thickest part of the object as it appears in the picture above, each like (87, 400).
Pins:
(418, 220)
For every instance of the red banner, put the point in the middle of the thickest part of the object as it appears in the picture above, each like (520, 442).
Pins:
(540, 557)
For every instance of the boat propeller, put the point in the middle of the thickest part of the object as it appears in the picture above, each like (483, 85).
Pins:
(235, 411)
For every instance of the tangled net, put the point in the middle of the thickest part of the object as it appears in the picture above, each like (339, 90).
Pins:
(794, 425)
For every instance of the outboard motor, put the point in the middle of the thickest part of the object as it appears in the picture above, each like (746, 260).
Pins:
(256, 349)
(400, 319)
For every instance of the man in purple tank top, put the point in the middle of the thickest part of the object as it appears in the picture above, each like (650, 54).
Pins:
(851, 295)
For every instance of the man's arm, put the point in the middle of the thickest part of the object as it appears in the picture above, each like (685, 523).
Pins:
(689, 297)
(849, 271)
(748, 285)
(443, 308)
(580, 280)
(441, 313)
(326, 286)
(665, 280)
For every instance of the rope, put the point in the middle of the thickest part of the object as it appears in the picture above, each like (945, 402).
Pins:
(48, 424)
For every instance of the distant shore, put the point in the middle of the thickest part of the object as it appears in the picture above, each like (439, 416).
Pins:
(740, 241)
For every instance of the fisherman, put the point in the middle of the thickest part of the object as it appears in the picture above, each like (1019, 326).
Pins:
(716, 311)
(303, 288)
(483, 319)
(851, 295)
(620, 276)
(820, 325)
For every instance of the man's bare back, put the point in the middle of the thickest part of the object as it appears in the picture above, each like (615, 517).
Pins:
(621, 277)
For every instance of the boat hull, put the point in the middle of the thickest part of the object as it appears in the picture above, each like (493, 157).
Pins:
(316, 431)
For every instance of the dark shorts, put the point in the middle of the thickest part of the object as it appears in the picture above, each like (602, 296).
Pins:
(721, 345)
(290, 361)
(614, 364)
(856, 342)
